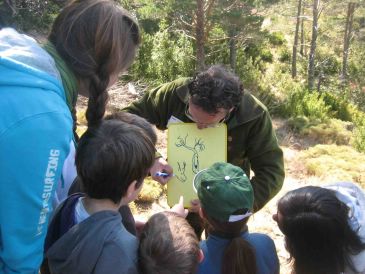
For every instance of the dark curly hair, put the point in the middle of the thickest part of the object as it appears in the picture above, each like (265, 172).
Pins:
(216, 88)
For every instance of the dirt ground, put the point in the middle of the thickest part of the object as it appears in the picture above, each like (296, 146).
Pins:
(261, 221)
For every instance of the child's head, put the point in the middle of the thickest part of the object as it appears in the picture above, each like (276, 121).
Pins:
(98, 40)
(168, 245)
(226, 199)
(111, 156)
(317, 233)
(136, 120)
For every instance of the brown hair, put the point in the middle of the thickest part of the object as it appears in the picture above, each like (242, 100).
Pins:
(97, 39)
(168, 245)
(239, 256)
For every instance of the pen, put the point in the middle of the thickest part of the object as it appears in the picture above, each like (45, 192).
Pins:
(163, 174)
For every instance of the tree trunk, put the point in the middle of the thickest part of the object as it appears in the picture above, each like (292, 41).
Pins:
(295, 45)
(232, 49)
(347, 38)
(320, 79)
(302, 40)
(313, 44)
(200, 54)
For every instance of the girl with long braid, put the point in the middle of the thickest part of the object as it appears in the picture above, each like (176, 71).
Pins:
(90, 43)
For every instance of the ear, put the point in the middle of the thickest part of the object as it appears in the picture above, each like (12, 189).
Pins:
(131, 190)
(200, 256)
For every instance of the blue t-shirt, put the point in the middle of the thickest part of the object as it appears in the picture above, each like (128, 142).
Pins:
(267, 261)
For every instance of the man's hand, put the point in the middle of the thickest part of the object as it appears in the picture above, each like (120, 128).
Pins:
(179, 208)
(161, 165)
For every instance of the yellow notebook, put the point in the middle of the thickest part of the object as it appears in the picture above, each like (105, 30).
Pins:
(190, 150)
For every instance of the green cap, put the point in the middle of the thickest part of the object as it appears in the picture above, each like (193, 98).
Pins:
(222, 190)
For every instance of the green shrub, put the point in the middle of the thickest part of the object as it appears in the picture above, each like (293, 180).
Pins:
(306, 103)
(359, 132)
(258, 52)
(328, 63)
(356, 72)
(266, 55)
(218, 50)
(268, 98)
(339, 107)
(141, 67)
(285, 55)
(277, 38)
(357, 96)
(359, 140)
(164, 64)
(333, 131)
(163, 57)
(249, 74)
(298, 123)
(35, 15)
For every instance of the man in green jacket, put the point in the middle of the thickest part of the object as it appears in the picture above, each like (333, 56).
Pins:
(216, 96)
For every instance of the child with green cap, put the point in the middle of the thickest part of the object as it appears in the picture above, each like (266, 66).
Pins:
(226, 197)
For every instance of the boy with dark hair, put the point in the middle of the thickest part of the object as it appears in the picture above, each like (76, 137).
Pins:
(127, 217)
(227, 199)
(168, 245)
(86, 235)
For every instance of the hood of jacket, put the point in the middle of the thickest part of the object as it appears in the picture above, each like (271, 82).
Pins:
(24, 63)
(79, 249)
(354, 197)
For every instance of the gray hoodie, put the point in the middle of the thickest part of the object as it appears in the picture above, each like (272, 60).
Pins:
(354, 197)
(100, 244)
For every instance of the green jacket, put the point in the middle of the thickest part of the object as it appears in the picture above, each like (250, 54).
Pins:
(252, 142)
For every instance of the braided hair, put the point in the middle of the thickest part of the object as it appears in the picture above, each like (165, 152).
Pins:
(97, 39)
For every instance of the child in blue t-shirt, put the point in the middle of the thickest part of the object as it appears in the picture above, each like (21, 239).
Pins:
(226, 199)
(86, 234)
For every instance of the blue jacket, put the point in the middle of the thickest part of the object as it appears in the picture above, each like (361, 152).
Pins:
(35, 137)
(267, 261)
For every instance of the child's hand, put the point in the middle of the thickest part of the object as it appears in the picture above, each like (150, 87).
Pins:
(179, 208)
(194, 206)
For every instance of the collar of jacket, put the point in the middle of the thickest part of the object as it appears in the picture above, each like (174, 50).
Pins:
(249, 109)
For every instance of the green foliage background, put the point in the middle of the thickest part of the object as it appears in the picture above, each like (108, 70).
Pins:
(263, 33)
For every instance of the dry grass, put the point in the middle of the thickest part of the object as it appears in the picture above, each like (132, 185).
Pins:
(81, 121)
(335, 163)
(151, 191)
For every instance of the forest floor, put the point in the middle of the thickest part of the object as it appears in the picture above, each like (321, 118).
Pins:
(296, 175)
